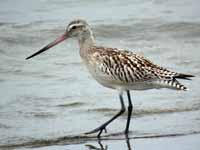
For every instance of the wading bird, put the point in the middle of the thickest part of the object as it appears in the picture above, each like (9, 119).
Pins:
(117, 69)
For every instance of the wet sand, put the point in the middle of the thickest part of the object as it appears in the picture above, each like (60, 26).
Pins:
(113, 141)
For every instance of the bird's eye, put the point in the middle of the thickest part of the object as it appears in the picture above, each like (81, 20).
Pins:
(74, 27)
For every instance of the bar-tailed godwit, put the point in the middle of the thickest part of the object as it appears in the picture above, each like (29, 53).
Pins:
(118, 69)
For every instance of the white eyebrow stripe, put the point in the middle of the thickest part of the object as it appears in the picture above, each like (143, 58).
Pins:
(77, 24)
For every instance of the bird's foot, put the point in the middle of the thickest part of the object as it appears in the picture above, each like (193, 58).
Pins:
(99, 129)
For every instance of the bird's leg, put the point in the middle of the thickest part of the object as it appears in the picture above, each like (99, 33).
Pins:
(103, 126)
(130, 108)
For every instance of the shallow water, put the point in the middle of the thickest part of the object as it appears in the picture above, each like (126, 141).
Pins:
(190, 142)
(45, 97)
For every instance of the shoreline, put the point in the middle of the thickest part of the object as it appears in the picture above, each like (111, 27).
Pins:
(80, 140)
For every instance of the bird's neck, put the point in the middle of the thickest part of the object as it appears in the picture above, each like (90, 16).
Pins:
(86, 40)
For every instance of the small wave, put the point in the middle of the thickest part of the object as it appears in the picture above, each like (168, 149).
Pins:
(2, 51)
(2, 23)
(103, 110)
(2, 80)
(28, 25)
(147, 112)
(43, 115)
(181, 29)
(4, 126)
(5, 24)
(65, 64)
(188, 63)
(113, 31)
(148, 29)
(178, 26)
(74, 104)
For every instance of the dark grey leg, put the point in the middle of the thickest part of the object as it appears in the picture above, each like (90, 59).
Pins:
(103, 126)
(130, 108)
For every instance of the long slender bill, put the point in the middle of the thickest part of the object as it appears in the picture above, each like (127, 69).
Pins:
(58, 40)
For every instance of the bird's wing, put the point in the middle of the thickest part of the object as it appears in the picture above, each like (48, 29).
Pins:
(152, 69)
(128, 67)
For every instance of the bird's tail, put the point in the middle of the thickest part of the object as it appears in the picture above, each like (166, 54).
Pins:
(183, 76)
(177, 85)
(174, 83)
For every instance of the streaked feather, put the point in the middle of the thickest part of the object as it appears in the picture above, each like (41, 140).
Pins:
(129, 68)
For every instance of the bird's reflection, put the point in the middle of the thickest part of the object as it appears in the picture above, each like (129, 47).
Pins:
(102, 146)
(128, 143)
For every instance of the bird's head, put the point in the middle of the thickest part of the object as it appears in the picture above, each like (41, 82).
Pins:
(77, 28)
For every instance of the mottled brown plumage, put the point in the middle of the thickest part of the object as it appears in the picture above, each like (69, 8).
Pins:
(125, 67)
